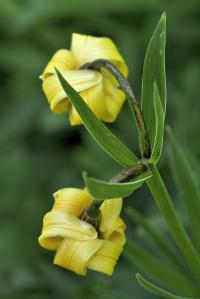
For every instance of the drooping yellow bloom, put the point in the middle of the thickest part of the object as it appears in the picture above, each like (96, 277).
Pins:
(78, 245)
(99, 90)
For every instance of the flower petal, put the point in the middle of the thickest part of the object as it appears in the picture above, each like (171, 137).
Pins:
(79, 79)
(105, 259)
(72, 200)
(58, 225)
(74, 255)
(86, 48)
(110, 210)
(114, 99)
(118, 235)
(63, 60)
(94, 98)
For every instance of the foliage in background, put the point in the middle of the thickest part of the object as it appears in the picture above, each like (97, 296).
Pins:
(40, 153)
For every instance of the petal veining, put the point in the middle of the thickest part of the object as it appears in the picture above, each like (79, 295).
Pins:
(59, 225)
(72, 200)
(74, 255)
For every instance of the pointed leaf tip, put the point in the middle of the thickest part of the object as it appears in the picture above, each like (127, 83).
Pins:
(154, 72)
(164, 15)
(108, 190)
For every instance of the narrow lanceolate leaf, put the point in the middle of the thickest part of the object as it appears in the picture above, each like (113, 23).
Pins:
(159, 243)
(105, 190)
(152, 288)
(154, 71)
(187, 186)
(162, 273)
(97, 129)
(159, 126)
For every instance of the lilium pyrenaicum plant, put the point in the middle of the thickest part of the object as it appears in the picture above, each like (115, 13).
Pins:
(77, 243)
(100, 90)
(82, 239)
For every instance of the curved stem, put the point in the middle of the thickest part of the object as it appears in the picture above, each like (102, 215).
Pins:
(164, 203)
(92, 213)
(129, 173)
(125, 86)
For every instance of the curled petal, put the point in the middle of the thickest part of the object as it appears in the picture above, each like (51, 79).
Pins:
(62, 60)
(72, 200)
(74, 255)
(94, 98)
(86, 48)
(80, 81)
(58, 225)
(117, 235)
(105, 259)
(110, 210)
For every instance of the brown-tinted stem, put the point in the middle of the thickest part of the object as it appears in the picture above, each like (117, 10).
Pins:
(125, 86)
(92, 214)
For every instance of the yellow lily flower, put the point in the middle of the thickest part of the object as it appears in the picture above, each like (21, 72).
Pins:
(99, 90)
(78, 245)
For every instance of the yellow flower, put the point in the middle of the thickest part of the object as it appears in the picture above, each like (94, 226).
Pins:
(99, 90)
(78, 245)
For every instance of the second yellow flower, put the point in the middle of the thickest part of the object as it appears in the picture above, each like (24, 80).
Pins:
(77, 243)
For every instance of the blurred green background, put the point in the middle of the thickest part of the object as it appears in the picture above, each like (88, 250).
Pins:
(41, 153)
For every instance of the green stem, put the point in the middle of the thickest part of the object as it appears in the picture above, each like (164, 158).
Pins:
(135, 108)
(164, 203)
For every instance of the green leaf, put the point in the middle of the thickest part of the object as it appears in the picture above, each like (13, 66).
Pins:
(105, 190)
(159, 126)
(186, 184)
(162, 273)
(157, 290)
(154, 71)
(97, 129)
(157, 240)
